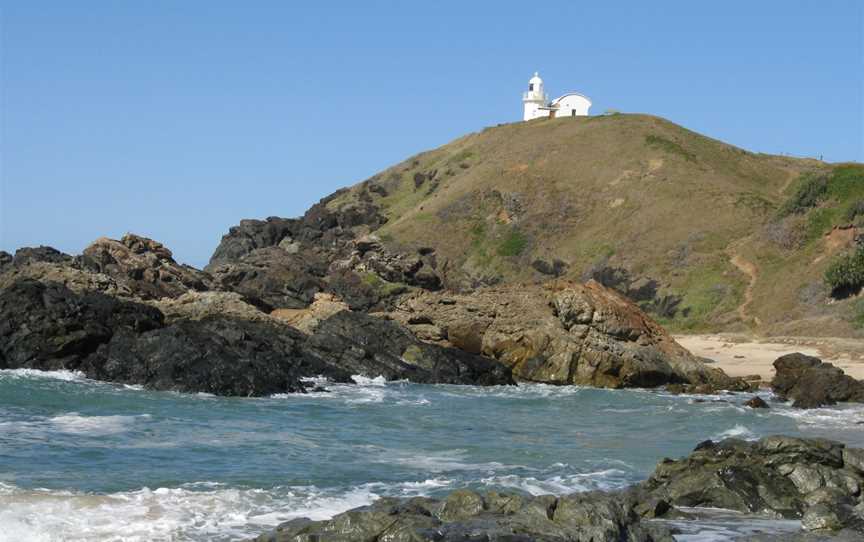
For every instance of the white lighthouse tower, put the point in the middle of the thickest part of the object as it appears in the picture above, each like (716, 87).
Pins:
(536, 105)
(534, 99)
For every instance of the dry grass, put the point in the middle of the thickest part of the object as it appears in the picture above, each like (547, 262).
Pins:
(637, 190)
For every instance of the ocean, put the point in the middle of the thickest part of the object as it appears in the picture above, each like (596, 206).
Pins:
(85, 460)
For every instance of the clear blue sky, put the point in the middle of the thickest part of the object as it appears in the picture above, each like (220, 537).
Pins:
(177, 119)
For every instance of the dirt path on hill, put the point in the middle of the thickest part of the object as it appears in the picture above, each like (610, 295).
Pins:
(748, 268)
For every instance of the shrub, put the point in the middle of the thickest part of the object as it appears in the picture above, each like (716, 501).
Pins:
(810, 192)
(787, 233)
(669, 146)
(846, 274)
(855, 211)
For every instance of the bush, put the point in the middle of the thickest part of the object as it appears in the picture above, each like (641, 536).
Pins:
(845, 275)
(855, 210)
(809, 194)
(787, 233)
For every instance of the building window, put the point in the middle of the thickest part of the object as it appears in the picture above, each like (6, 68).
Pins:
(530, 87)
(573, 113)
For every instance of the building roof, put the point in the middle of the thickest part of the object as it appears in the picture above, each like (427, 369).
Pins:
(559, 98)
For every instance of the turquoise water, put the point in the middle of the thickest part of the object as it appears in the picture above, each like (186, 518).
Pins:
(81, 460)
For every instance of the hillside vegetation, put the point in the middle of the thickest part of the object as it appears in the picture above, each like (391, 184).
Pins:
(705, 235)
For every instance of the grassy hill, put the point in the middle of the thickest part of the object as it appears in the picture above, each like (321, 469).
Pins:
(705, 235)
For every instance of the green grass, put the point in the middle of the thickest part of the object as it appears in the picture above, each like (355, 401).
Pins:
(513, 244)
(858, 314)
(708, 291)
(669, 146)
(382, 287)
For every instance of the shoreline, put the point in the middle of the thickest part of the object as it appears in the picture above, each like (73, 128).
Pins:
(744, 355)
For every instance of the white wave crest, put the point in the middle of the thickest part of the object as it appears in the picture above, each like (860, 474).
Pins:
(562, 484)
(739, 431)
(68, 376)
(201, 511)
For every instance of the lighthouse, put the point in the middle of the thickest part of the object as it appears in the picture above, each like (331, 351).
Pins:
(535, 103)
(534, 98)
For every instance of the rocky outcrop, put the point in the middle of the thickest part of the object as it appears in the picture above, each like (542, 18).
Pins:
(48, 326)
(282, 263)
(560, 333)
(364, 344)
(490, 516)
(218, 355)
(144, 266)
(810, 383)
(216, 343)
(814, 480)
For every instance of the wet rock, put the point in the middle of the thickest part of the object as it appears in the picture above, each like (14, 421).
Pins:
(50, 327)
(810, 383)
(218, 355)
(756, 402)
(371, 346)
(466, 515)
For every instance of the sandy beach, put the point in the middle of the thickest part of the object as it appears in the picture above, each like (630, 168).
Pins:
(742, 355)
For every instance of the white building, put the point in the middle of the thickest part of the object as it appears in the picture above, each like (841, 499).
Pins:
(537, 105)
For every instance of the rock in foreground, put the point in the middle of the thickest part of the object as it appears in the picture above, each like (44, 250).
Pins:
(811, 383)
(815, 480)
(469, 516)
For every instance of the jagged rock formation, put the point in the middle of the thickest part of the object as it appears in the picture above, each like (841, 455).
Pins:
(562, 333)
(810, 383)
(815, 480)
(493, 517)
(213, 343)
(282, 263)
(145, 266)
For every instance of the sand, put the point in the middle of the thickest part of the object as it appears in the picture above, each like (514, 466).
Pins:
(740, 355)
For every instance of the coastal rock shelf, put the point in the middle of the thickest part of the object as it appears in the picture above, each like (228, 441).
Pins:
(815, 480)
(124, 311)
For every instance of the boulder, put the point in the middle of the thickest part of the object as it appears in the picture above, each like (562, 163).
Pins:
(560, 333)
(367, 345)
(756, 402)
(49, 327)
(810, 383)
(217, 354)
(782, 476)
(146, 267)
(273, 278)
(489, 516)
(755, 478)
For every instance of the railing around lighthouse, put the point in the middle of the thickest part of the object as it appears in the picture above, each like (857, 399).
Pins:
(532, 96)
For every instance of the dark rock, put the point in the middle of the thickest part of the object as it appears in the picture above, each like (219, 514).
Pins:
(5, 259)
(273, 278)
(756, 402)
(40, 254)
(49, 327)
(466, 516)
(363, 344)
(778, 476)
(251, 234)
(810, 383)
(218, 355)
(556, 269)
